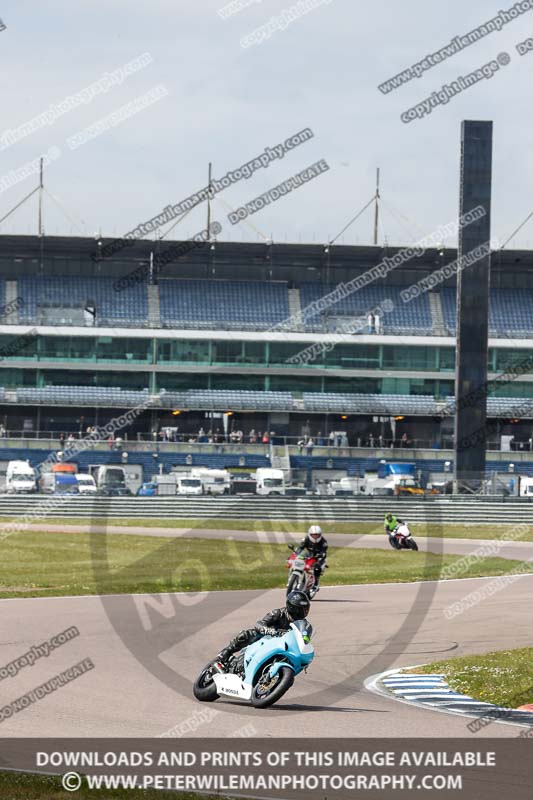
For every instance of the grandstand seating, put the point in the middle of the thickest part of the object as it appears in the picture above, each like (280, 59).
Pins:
(253, 305)
(504, 406)
(218, 399)
(449, 308)
(226, 304)
(511, 311)
(112, 308)
(412, 316)
(83, 396)
(370, 403)
(214, 399)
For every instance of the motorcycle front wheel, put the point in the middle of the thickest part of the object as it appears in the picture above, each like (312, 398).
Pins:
(204, 688)
(394, 544)
(292, 583)
(268, 691)
(412, 544)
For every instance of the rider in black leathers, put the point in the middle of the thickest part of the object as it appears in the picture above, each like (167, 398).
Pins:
(316, 545)
(279, 619)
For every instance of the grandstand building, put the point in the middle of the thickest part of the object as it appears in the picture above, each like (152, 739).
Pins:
(238, 336)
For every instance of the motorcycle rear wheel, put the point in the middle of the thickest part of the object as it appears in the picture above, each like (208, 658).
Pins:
(264, 695)
(204, 688)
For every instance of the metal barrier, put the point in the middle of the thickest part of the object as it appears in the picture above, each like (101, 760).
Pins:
(459, 510)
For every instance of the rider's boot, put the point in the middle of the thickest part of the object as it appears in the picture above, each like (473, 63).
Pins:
(221, 661)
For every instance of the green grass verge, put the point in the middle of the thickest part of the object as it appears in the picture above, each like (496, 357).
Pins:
(53, 564)
(475, 531)
(504, 678)
(21, 786)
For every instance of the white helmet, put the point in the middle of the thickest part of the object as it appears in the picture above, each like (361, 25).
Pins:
(315, 533)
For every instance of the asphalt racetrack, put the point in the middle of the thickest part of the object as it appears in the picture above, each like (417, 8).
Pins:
(147, 651)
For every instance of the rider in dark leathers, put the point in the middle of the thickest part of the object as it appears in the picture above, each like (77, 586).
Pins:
(277, 620)
(316, 545)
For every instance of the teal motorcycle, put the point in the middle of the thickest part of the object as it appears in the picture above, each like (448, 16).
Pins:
(263, 671)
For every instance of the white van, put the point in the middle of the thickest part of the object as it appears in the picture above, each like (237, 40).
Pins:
(20, 478)
(215, 481)
(269, 481)
(188, 485)
(86, 483)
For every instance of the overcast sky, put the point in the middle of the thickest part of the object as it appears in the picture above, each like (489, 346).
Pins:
(226, 103)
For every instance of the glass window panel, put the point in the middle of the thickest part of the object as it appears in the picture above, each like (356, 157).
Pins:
(18, 347)
(227, 351)
(353, 356)
(280, 352)
(183, 351)
(409, 358)
(112, 349)
(447, 358)
(255, 352)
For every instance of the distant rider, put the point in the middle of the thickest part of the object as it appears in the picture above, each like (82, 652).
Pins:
(276, 621)
(316, 545)
(391, 523)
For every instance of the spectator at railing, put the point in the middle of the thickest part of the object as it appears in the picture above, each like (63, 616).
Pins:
(252, 436)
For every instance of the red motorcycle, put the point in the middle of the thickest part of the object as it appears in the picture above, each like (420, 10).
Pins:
(301, 573)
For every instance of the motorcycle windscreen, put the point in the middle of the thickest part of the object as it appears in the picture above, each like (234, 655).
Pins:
(305, 628)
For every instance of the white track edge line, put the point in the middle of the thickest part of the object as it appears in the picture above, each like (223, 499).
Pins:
(370, 685)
